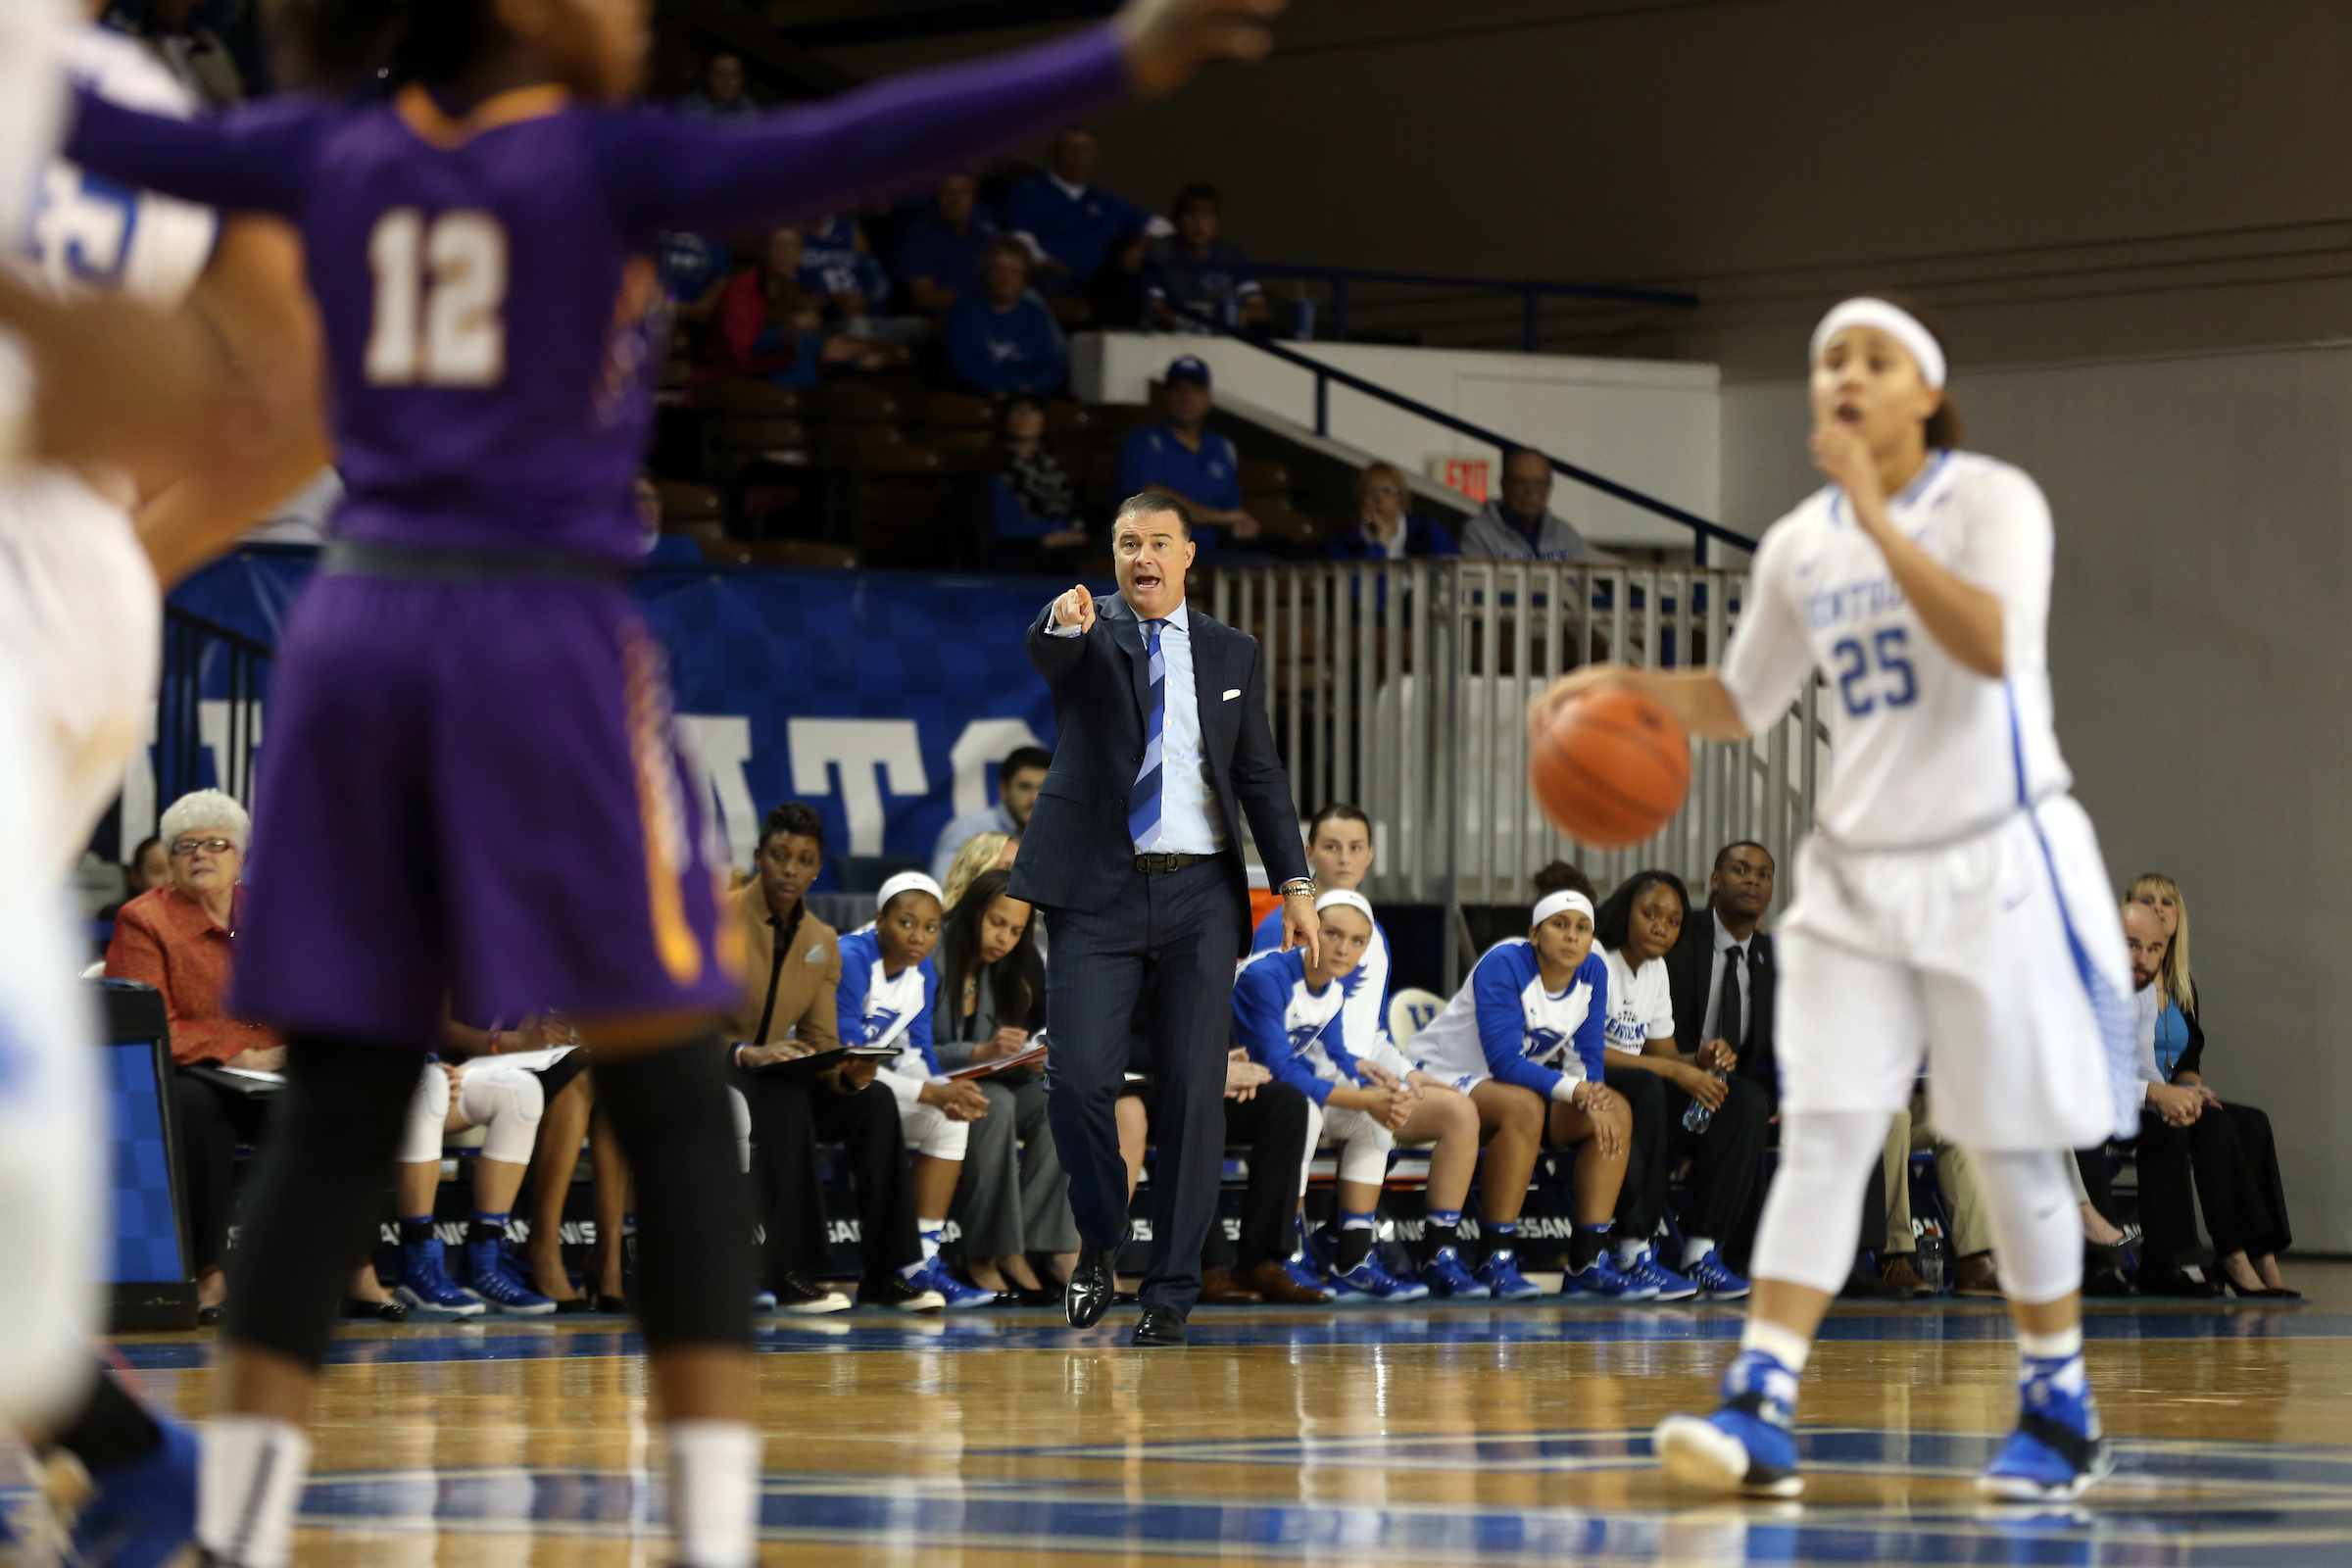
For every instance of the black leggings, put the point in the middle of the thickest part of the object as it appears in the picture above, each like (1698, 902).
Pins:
(210, 1122)
(323, 1177)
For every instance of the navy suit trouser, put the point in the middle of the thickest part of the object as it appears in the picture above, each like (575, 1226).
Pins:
(1159, 958)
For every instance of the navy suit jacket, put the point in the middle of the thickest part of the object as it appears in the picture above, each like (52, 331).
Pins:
(1076, 852)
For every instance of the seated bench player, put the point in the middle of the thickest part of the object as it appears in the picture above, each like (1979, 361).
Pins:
(888, 992)
(1287, 1014)
(1522, 1039)
(506, 1102)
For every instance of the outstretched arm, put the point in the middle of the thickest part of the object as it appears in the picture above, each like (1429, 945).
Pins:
(673, 171)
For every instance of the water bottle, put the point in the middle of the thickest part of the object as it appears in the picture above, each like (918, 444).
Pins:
(1700, 1115)
(1930, 1254)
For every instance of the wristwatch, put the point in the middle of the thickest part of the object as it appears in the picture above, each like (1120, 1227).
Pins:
(1299, 887)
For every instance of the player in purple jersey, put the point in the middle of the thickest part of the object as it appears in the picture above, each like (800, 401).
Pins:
(470, 788)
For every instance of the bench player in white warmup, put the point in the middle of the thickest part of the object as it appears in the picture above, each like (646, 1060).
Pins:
(1951, 904)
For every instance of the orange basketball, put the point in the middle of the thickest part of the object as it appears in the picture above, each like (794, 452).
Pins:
(1610, 769)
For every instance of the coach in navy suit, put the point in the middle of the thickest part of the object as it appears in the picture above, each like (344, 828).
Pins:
(1134, 853)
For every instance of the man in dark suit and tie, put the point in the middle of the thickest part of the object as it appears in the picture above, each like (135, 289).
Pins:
(1720, 975)
(1133, 851)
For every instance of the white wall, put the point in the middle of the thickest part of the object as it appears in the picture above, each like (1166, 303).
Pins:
(2202, 654)
(1649, 425)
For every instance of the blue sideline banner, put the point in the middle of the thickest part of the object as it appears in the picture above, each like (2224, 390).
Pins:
(882, 699)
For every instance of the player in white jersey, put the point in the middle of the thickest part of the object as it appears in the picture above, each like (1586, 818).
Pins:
(1291, 1014)
(117, 400)
(1952, 906)
(1339, 851)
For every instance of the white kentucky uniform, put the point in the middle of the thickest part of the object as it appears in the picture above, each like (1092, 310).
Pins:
(1504, 1024)
(1952, 900)
(1641, 1004)
(1300, 1035)
(78, 600)
(874, 1007)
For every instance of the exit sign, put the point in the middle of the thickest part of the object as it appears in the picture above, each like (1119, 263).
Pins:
(1467, 476)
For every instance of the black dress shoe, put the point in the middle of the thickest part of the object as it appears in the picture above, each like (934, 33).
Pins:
(1043, 1296)
(2173, 1281)
(1160, 1325)
(374, 1311)
(1092, 1283)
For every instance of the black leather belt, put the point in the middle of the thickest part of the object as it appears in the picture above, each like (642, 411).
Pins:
(1154, 865)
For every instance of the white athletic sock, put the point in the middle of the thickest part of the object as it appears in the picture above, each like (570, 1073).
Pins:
(1697, 1248)
(1628, 1250)
(1784, 1345)
(715, 1492)
(2056, 1346)
(248, 1482)
(934, 1233)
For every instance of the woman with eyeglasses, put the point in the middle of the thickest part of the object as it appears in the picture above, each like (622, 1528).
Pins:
(177, 938)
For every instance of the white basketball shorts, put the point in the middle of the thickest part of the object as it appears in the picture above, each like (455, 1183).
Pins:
(1997, 962)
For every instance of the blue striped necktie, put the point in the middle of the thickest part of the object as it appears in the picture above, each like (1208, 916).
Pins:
(1143, 802)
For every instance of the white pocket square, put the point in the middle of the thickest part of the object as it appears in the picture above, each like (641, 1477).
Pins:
(1231, 695)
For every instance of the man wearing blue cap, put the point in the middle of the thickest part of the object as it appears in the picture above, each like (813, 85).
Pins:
(1186, 459)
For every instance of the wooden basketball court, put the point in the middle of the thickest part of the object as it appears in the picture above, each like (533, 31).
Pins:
(1450, 1435)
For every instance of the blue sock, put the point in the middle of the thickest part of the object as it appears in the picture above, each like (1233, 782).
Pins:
(1441, 1230)
(2051, 1381)
(1502, 1235)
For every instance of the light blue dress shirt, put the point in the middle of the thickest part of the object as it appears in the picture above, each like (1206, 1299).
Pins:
(1189, 822)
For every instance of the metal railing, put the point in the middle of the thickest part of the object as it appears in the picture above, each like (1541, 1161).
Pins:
(1402, 685)
(208, 708)
(1702, 529)
(1339, 283)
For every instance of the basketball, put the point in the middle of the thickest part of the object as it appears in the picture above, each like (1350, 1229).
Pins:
(1610, 769)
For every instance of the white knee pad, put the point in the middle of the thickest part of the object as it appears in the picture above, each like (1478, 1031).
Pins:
(428, 1116)
(507, 1102)
(927, 1130)
(1364, 1146)
(2036, 1225)
(742, 1109)
(1813, 1217)
(1314, 1142)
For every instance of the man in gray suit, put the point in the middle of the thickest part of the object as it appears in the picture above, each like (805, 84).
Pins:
(1133, 851)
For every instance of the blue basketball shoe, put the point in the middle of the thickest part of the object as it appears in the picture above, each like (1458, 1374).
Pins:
(1748, 1446)
(1448, 1280)
(496, 1286)
(958, 1297)
(1603, 1278)
(425, 1286)
(1716, 1281)
(139, 1514)
(2058, 1451)
(1370, 1283)
(1303, 1273)
(1500, 1275)
(1645, 1269)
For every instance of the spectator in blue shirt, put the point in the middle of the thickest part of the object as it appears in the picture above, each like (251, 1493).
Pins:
(941, 247)
(693, 269)
(1193, 277)
(1003, 339)
(721, 96)
(1087, 240)
(1384, 530)
(835, 264)
(1186, 459)
(654, 547)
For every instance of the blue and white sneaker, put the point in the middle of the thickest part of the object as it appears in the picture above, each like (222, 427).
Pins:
(425, 1286)
(1500, 1275)
(495, 1287)
(1370, 1283)
(1716, 1281)
(1602, 1277)
(2057, 1451)
(140, 1514)
(1448, 1280)
(1647, 1270)
(762, 1301)
(958, 1297)
(1749, 1445)
(1305, 1273)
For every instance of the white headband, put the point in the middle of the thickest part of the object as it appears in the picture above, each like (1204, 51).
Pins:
(1346, 900)
(1893, 320)
(1553, 904)
(907, 882)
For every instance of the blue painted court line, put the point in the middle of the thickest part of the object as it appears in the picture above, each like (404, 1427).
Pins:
(1561, 1325)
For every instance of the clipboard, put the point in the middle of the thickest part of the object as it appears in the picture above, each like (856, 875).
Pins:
(245, 1081)
(818, 1061)
(1027, 1057)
